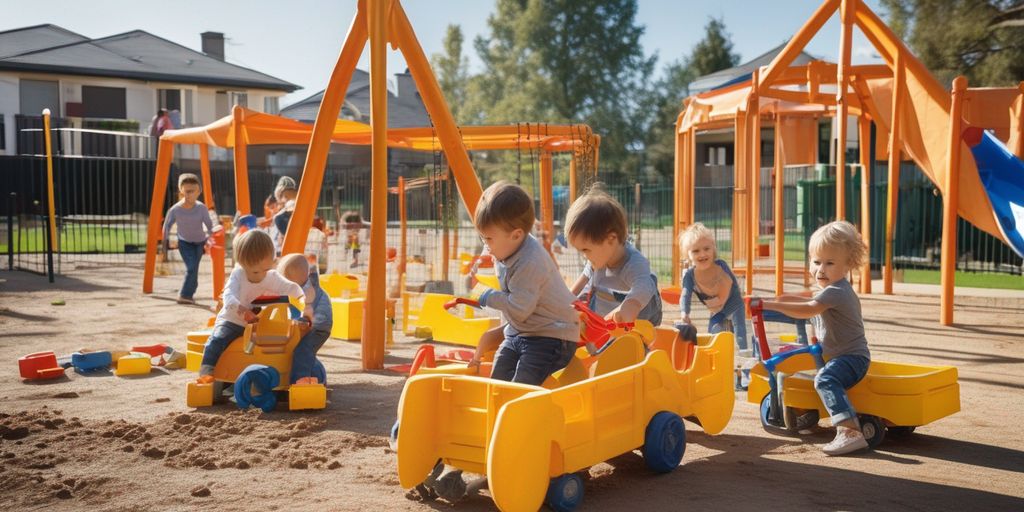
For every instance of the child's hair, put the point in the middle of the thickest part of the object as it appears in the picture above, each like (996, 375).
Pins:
(692, 234)
(188, 179)
(288, 194)
(293, 264)
(594, 216)
(841, 235)
(252, 247)
(506, 206)
(285, 182)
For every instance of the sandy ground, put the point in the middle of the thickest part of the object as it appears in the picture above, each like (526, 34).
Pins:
(109, 443)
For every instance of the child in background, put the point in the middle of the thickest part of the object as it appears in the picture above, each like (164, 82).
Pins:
(191, 216)
(713, 282)
(541, 329)
(836, 249)
(353, 224)
(297, 269)
(253, 276)
(617, 281)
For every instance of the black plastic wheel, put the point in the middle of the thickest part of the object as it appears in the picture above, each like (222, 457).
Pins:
(873, 429)
(766, 423)
(664, 442)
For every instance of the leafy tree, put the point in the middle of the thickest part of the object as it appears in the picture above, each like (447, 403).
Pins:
(452, 70)
(980, 39)
(714, 52)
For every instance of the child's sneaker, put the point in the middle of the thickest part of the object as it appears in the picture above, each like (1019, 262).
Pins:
(848, 440)
(205, 379)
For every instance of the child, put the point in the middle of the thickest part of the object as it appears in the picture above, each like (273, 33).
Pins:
(284, 215)
(836, 249)
(253, 276)
(297, 269)
(713, 282)
(542, 327)
(190, 215)
(617, 281)
(353, 223)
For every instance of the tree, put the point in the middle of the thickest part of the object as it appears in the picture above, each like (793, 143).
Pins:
(980, 39)
(452, 70)
(714, 52)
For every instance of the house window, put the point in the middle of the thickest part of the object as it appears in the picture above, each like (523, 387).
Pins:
(238, 98)
(220, 104)
(270, 105)
(187, 112)
(3, 134)
(170, 99)
(36, 95)
(104, 102)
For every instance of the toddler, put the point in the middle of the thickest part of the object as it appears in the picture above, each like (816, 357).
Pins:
(191, 216)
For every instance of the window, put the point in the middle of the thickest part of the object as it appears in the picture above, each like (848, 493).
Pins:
(104, 102)
(270, 105)
(187, 112)
(238, 98)
(170, 99)
(36, 95)
(220, 104)
(3, 134)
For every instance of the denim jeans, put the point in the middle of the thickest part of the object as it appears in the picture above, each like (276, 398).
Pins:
(223, 334)
(735, 310)
(304, 356)
(191, 254)
(839, 374)
(530, 360)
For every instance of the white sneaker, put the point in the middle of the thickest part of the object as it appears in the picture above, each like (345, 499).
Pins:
(848, 440)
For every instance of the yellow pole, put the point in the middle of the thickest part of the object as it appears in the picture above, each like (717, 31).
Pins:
(893, 191)
(323, 129)
(242, 203)
(156, 210)
(547, 207)
(949, 203)
(864, 135)
(49, 181)
(780, 221)
(376, 294)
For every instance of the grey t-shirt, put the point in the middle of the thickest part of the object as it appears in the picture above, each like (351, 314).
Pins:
(610, 287)
(840, 327)
(190, 222)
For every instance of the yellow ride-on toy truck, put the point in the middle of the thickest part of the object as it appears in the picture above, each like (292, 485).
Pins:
(531, 441)
(258, 363)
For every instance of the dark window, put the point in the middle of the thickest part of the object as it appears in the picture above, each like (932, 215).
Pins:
(170, 99)
(35, 95)
(104, 102)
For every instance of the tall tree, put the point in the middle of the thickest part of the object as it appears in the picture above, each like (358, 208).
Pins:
(980, 39)
(452, 70)
(714, 51)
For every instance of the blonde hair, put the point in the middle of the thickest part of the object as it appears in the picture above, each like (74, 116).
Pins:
(293, 262)
(692, 234)
(252, 247)
(594, 216)
(843, 236)
(506, 206)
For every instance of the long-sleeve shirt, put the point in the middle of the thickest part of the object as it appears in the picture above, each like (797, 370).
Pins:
(238, 291)
(190, 222)
(533, 298)
(689, 282)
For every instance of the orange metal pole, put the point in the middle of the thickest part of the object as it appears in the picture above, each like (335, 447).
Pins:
(846, 11)
(677, 203)
(739, 167)
(547, 201)
(780, 221)
(572, 177)
(241, 163)
(323, 129)
(447, 131)
(402, 224)
(691, 175)
(755, 186)
(893, 191)
(373, 335)
(204, 169)
(50, 205)
(156, 210)
(795, 45)
(950, 203)
(864, 129)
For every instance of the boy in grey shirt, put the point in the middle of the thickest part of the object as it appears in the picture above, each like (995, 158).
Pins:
(836, 249)
(541, 329)
(191, 216)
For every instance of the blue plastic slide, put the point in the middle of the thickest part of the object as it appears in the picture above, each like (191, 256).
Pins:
(1002, 175)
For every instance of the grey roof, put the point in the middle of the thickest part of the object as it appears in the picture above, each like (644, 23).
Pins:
(742, 72)
(136, 55)
(404, 111)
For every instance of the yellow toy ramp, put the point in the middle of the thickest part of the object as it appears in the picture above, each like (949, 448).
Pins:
(519, 464)
(417, 429)
(712, 393)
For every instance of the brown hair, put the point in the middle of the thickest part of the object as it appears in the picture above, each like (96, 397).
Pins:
(840, 235)
(594, 216)
(252, 247)
(189, 179)
(506, 206)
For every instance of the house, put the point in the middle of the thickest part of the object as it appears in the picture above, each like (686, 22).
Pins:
(118, 82)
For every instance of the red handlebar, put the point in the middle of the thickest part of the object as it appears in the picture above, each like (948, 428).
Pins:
(596, 329)
(461, 300)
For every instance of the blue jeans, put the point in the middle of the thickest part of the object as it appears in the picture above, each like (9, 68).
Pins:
(839, 374)
(735, 310)
(191, 254)
(304, 356)
(223, 334)
(530, 360)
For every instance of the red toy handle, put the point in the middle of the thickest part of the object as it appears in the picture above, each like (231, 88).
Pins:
(461, 300)
(597, 330)
(757, 319)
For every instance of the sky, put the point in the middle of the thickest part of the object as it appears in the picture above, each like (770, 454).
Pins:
(299, 40)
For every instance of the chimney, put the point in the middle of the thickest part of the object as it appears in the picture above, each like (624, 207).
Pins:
(213, 44)
(406, 87)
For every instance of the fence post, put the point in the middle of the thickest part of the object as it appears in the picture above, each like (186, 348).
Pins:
(49, 249)
(10, 232)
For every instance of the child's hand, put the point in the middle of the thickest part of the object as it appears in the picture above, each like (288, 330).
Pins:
(474, 364)
(686, 320)
(250, 317)
(615, 315)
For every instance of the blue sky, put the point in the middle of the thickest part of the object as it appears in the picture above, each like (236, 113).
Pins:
(299, 40)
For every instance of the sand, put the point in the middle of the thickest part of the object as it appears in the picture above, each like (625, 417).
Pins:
(100, 442)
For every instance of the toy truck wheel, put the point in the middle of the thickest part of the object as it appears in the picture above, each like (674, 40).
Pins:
(664, 442)
(565, 493)
(263, 379)
(873, 429)
(800, 419)
(765, 414)
(900, 432)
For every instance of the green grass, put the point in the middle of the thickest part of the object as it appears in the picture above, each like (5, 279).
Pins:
(80, 239)
(967, 279)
